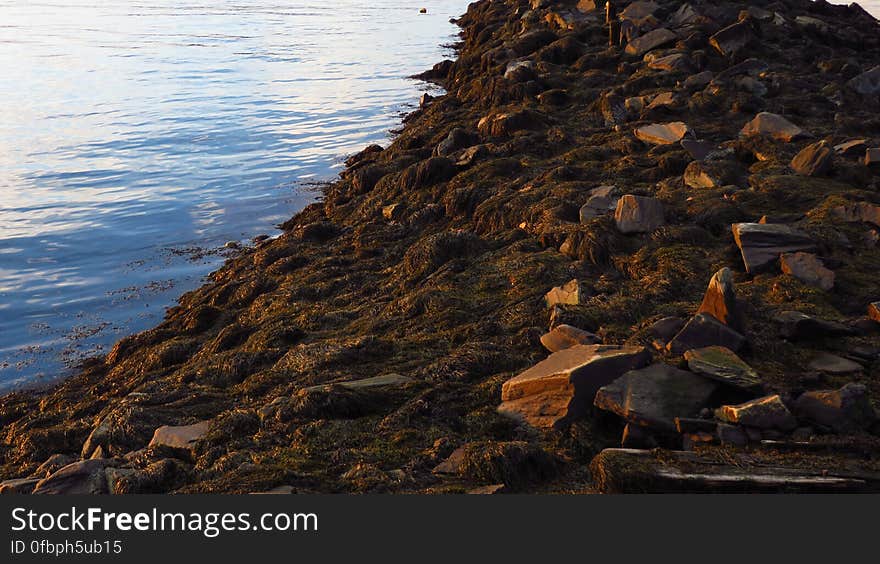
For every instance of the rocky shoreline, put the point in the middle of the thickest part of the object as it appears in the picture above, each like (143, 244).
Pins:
(644, 267)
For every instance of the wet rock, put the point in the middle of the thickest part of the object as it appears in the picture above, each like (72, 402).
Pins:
(719, 301)
(845, 410)
(662, 133)
(562, 387)
(834, 365)
(852, 148)
(703, 330)
(763, 413)
(638, 214)
(566, 336)
(650, 41)
(723, 365)
(813, 160)
(798, 326)
(762, 244)
(713, 174)
(573, 292)
(732, 38)
(774, 126)
(84, 477)
(731, 435)
(180, 437)
(867, 83)
(18, 486)
(654, 396)
(807, 268)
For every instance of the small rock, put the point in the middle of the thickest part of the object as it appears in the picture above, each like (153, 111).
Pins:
(719, 301)
(698, 150)
(858, 212)
(732, 435)
(761, 244)
(566, 336)
(874, 311)
(763, 413)
(638, 214)
(562, 387)
(654, 396)
(666, 328)
(773, 125)
(689, 441)
(797, 326)
(807, 268)
(181, 437)
(692, 425)
(452, 464)
(698, 81)
(662, 133)
(845, 410)
(867, 83)
(834, 365)
(703, 330)
(572, 292)
(650, 41)
(392, 212)
(852, 148)
(813, 160)
(723, 365)
(676, 62)
(597, 206)
(700, 174)
(872, 157)
(383, 381)
(456, 140)
(492, 489)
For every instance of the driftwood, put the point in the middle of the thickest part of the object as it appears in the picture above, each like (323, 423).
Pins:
(643, 471)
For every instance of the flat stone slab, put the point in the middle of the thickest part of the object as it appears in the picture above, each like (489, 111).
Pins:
(723, 365)
(774, 126)
(182, 436)
(662, 133)
(761, 244)
(383, 381)
(650, 41)
(763, 413)
(833, 364)
(562, 387)
(654, 396)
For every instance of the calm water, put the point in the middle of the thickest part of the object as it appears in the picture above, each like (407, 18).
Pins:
(137, 137)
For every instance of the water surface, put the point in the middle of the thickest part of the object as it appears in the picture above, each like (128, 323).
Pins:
(137, 137)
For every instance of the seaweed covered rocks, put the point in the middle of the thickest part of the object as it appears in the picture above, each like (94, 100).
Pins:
(686, 217)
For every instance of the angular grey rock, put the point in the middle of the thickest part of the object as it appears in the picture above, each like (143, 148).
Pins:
(719, 301)
(867, 83)
(731, 435)
(565, 336)
(650, 41)
(715, 174)
(797, 326)
(562, 387)
(638, 214)
(654, 396)
(662, 133)
(764, 413)
(807, 268)
(703, 330)
(761, 244)
(723, 365)
(732, 38)
(83, 477)
(813, 160)
(834, 365)
(845, 410)
(666, 328)
(773, 125)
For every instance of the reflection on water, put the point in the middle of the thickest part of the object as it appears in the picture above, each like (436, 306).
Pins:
(137, 137)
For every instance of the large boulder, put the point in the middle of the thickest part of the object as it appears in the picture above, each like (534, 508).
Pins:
(774, 126)
(566, 336)
(562, 387)
(813, 160)
(807, 268)
(703, 330)
(723, 365)
(845, 410)
(654, 396)
(761, 244)
(662, 133)
(763, 413)
(82, 477)
(719, 301)
(650, 41)
(638, 214)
